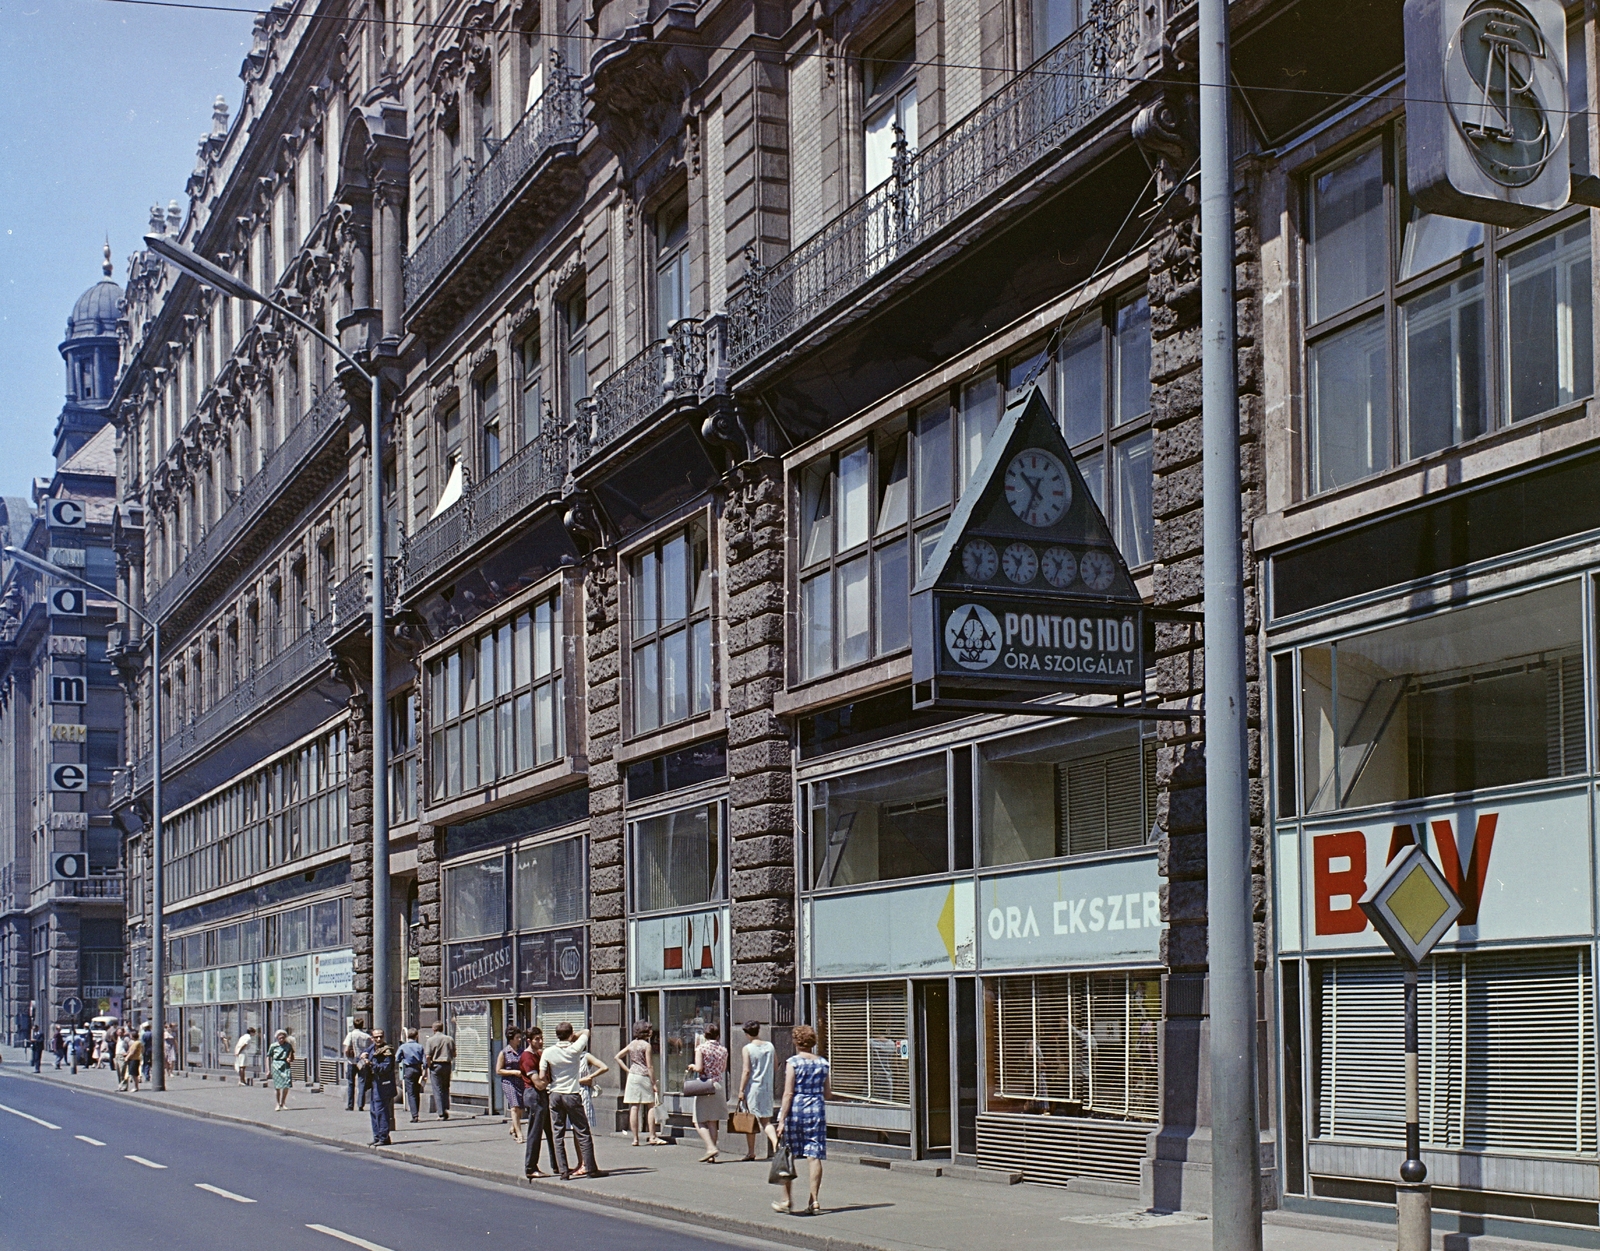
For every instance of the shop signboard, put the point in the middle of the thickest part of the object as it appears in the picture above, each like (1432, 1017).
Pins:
(270, 984)
(249, 981)
(213, 994)
(679, 948)
(553, 961)
(909, 929)
(1094, 914)
(1027, 590)
(194, 989)
(333, 972)
(294, 976)
(1520, 867)
(228, 984)
(483, 967)
(175, 989)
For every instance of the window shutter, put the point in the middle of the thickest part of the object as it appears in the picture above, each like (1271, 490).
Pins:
(1100, 803)
(1564, 715)
(863, 1026)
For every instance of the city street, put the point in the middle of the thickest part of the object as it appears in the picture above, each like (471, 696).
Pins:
(138, 1177)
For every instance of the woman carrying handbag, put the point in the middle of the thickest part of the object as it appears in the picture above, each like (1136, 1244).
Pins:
(710, 1105)
(803, 1119)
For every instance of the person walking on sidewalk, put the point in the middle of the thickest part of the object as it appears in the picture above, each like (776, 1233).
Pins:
(440, 1053)
(169, 1049)
(803, 1118)
(641, 1094)
(58, 1045)
(561, 1066)
(536, 1099)
(376, 1063)
(755, 1088)
(280, 1063)
(590, 1068)
(710, 1067)
(135, 1060)
(508, 1068)
(121, 1054)
(243, 1049)
(36, 1047)
(355, 1042)
(145, 1049)
(410, 1060)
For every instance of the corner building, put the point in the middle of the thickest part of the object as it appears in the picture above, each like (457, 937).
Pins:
(698, 321)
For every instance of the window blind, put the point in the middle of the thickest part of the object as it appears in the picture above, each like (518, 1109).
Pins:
(862, 1027)
(1101, 804)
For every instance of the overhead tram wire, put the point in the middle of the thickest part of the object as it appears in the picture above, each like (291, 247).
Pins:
(1085, 75)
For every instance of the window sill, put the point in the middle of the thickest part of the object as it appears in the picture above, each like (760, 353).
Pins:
(1450, 469)
(547, 778)
(851, 684)
(682, 734)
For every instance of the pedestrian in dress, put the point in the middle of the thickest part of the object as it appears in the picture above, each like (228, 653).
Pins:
(169, 1049)
(440, 1053)
(590, 1068)
(562, 1066)
(376, 1063)
(36, 1047)
(412, 1062)
(641, 1094)
(755, 1088)
(135, 1061)
(710, 1105)
(803, 1118)
(509, 1069)
(536, 1101)
(243, 1049)
(121, 1055)
(280, 1059)
(355, 1042)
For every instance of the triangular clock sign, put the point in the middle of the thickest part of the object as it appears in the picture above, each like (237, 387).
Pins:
(1027, 586)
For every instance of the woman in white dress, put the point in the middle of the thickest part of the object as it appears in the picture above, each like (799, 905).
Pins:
(755, 1089)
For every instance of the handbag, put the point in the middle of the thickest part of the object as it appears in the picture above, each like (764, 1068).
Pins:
(782, 1169)
(698, 1086)
(742, 1123)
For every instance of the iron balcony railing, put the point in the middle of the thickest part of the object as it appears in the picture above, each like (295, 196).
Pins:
(1036, 112)
(350, 605)
(555, 118)
(258, 688)
(668, 369)
(282, 463)
(536, 471)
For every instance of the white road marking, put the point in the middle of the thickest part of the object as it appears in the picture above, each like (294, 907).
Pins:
(93, 1142)
(139, 1159)
(26, 1117)
(350, 1238)
(218, 1190)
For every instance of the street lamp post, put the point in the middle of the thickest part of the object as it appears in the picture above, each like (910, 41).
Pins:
(158, 985)
(212, 275)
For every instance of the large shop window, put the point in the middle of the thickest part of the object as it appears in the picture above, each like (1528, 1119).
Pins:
(475, 899)
(881, 824)
(495, 702)
(676, 859)
(680, 1018)
(1047, 795)
(1468, 698)
(1425, 331)
(1074, 1044)
(549, 888)
(671, 659)
(1506, 1051)
(861, 1029)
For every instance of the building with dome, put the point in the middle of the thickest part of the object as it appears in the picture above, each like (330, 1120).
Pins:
(61, 864)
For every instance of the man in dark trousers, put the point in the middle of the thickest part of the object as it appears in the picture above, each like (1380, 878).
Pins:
(376, 1063)
(36, 1046)
(146, 1050)
(440, 1053)
(409, 1056)
(355, 1042)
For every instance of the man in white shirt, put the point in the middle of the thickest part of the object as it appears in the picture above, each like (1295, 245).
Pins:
(355, 1042)
(242, 1051)
(562, 1066)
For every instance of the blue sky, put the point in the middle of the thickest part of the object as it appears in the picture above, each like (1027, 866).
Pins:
(101, 107)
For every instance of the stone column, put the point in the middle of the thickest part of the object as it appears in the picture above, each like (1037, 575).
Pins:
(430, 954)
(386, 201)
(607, 936)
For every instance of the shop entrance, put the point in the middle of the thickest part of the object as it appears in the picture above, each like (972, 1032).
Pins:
(932, 1001)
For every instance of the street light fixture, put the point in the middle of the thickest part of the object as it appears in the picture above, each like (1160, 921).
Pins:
(212, 275)
(158, 1066)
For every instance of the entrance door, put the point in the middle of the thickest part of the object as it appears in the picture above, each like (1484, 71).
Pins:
(933, 1065)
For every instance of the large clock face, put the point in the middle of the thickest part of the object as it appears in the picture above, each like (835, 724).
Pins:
(1020, 563)
(1037, 487)
(1098, 570)
(979, 560)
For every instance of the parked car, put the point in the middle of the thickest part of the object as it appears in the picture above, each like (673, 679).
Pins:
(100, 1024)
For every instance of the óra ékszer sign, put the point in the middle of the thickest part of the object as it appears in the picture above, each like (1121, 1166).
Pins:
(1027, 588)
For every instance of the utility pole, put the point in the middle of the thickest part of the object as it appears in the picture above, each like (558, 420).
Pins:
(1235, 1137)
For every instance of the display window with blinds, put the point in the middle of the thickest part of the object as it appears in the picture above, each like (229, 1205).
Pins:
(863, 1031)
(1073, 1044)
(1506, 1052)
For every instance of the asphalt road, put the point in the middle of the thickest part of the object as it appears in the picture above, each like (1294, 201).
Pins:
(82, 1169)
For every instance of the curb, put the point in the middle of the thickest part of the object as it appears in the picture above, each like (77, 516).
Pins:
(737, 1226)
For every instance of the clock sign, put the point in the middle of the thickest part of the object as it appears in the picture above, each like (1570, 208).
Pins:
(1037, 487)
(978, 560)
(1020, 563)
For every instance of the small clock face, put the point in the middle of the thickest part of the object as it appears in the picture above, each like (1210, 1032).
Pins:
(1037, 487)
(1098, 570)
(1019, 563)
(1060, 567)
(979, 560)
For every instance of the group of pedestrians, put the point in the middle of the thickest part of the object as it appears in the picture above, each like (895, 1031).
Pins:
(127, 1051)
(376, 1075)
(549, 1091)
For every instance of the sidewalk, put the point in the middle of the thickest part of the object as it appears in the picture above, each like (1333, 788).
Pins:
(866, 1208)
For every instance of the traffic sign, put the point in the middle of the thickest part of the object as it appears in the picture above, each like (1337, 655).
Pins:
(72, 1006)
(1411, 905)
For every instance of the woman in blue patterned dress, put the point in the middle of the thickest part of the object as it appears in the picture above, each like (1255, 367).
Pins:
(803, 1118)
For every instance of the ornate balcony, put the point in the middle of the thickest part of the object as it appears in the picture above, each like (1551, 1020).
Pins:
(669, 370)
(281, 479)
(96, 886)
(536, 472)
(494, 207)
(963, 169)
(351, 602)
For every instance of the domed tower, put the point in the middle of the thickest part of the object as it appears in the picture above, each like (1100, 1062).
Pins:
(90, 350)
